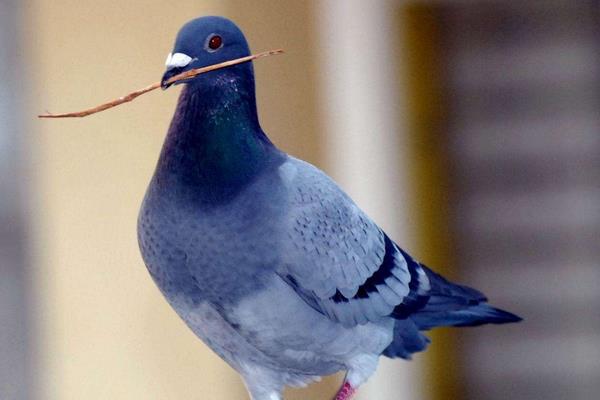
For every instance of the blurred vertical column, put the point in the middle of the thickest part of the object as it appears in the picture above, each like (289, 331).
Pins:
(365, 135)
(524, 141)
(422, 23)
(14, 344)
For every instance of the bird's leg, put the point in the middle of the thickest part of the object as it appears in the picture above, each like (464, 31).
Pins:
(360, 368)
(346, 392)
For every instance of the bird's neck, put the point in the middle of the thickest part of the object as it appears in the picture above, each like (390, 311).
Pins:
(215, 145)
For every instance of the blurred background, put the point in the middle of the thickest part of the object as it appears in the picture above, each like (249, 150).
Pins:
(470, 130)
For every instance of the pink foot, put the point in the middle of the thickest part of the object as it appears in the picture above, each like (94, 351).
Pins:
(346, 392)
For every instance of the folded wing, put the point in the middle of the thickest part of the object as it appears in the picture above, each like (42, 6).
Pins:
(338, 260)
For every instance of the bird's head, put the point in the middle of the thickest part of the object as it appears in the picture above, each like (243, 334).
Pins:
(205, 41)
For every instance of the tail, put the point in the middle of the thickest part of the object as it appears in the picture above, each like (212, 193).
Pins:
(444, 304)
(456, 305)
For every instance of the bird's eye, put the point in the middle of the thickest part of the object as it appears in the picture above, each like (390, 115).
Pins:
(215, 42)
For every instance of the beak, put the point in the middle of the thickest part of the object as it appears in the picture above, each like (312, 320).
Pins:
(167, 75)
(175, 64)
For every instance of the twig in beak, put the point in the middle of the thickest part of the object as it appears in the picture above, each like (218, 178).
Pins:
(179, 77)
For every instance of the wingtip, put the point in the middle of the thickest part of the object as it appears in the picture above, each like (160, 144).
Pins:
(495, 315)
(510, 317)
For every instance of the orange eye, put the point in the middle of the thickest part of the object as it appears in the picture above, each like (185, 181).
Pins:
(215, 42)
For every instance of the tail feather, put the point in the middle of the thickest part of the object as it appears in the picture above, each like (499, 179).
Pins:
(407, 340)
(444, 304)
(457, 305)
(442, 287)
(475, 315)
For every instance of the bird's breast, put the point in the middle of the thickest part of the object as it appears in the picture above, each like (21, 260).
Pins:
(219, 255)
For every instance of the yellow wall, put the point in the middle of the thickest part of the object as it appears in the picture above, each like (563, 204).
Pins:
(105, 331)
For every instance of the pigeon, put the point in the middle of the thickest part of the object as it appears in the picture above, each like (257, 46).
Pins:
(263, 256)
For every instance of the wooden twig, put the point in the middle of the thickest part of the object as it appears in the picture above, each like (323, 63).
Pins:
(179, 77)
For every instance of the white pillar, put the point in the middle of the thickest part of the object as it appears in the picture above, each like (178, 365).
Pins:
(365, 136)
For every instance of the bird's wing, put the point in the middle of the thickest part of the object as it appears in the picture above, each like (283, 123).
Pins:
(337, 259)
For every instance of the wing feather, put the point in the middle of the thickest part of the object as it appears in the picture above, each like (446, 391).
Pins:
(338, 260)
